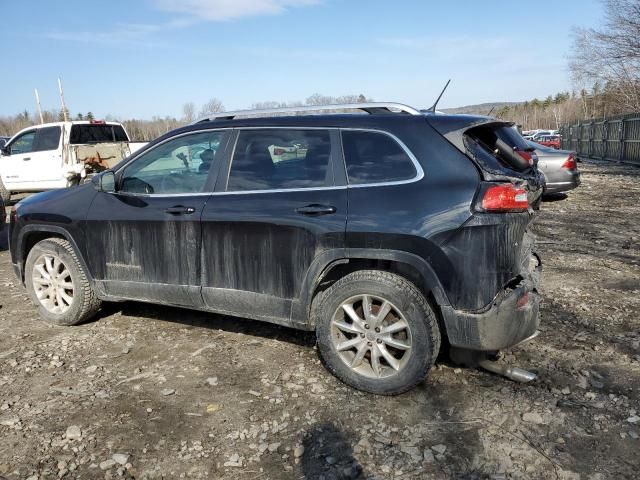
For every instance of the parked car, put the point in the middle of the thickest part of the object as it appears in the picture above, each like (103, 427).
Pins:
(534, 134)
(560, 168)
(393, 231)
(56, 155)
(551, 141)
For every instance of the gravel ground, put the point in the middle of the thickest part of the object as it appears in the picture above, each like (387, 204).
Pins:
(157, 392)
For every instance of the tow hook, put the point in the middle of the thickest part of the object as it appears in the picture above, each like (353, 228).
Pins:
(512, 373)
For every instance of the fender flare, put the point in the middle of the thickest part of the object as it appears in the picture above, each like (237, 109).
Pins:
(36, 228)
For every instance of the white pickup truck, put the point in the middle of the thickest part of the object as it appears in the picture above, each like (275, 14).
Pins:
(59, 155)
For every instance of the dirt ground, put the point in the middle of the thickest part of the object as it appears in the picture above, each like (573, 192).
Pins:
(157, 392)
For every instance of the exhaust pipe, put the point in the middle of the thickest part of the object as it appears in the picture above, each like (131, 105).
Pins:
(512, 373)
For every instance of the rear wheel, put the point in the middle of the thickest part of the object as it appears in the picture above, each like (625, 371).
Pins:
(376, 332)
(58, 284)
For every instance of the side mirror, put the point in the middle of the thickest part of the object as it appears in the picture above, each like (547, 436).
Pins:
(5, 151)
(105, 182)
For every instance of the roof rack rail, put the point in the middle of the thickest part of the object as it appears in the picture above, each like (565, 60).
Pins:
(371, 108)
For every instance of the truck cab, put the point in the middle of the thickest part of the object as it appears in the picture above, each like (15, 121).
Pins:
(58, 155)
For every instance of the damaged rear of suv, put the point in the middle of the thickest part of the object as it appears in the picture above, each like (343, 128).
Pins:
(386, 233)
(495, 291)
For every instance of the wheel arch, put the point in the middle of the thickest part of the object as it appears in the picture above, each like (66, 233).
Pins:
(333, 265)
(30, 235)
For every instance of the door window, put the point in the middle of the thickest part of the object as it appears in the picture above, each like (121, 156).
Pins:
(374, 157)
(181, 165)
(23, 144)
(47, 138)
(281, 159)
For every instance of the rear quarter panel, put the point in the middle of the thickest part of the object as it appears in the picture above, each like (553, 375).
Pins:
(417, 217)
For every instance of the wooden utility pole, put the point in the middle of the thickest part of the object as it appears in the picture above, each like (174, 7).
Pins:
(39, 106)
(64, 107)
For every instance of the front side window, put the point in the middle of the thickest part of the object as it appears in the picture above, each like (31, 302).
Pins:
(374, 157)
(47, 138)
(24, 143)
(281, 159)
(181, 165)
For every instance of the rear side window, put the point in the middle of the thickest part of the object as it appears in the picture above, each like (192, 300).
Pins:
(97, 133)
(47, 138)
(374, 157)
(281, 159)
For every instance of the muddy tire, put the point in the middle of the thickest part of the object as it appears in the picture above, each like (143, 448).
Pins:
(58, 284)
(5, 194)
(376, 332)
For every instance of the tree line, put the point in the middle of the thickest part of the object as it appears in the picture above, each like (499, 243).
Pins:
(145, 130)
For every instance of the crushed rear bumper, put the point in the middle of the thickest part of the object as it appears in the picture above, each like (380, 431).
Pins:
(509, 320)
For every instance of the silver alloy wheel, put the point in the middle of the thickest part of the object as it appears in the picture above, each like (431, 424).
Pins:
(371, 336)
(52, 283)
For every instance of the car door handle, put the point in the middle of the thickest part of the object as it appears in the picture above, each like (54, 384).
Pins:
(180, 210)
(316, 210)
(26, 159)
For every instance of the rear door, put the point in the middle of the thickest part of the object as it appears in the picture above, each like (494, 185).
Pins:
(45, 164)
(282, 206)
(144, 240)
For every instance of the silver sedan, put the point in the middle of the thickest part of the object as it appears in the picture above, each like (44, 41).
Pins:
(559, 167)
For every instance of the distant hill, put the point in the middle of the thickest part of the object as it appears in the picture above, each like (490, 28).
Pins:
(479, 109)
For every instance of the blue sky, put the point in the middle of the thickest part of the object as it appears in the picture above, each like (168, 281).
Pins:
(139, 58)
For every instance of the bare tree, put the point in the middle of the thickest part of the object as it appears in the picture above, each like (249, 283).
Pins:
(212, 106)
(188, 112)
(610, 56)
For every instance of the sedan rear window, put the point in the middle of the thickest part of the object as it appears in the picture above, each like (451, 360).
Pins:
(97, 133)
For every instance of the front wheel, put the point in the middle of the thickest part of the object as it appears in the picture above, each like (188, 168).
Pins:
(58, 284)
(376, 332)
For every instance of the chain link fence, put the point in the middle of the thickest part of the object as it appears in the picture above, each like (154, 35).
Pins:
(616, 139)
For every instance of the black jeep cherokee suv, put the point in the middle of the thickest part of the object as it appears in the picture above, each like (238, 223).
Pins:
(386, 232)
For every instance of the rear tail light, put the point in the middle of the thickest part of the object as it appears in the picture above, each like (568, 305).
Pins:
(570, 163)
(503, 197)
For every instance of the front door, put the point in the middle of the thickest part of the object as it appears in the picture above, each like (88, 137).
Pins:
(280, 209)
(15, 168)
(144, 240)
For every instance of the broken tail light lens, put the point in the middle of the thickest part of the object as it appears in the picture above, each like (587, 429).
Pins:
(504, 197)
(570, 163)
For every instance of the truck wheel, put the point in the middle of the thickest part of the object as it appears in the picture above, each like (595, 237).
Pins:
(376, 332)
(5, 194)
(58, 284)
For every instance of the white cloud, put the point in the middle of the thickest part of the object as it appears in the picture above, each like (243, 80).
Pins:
(222, 10)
